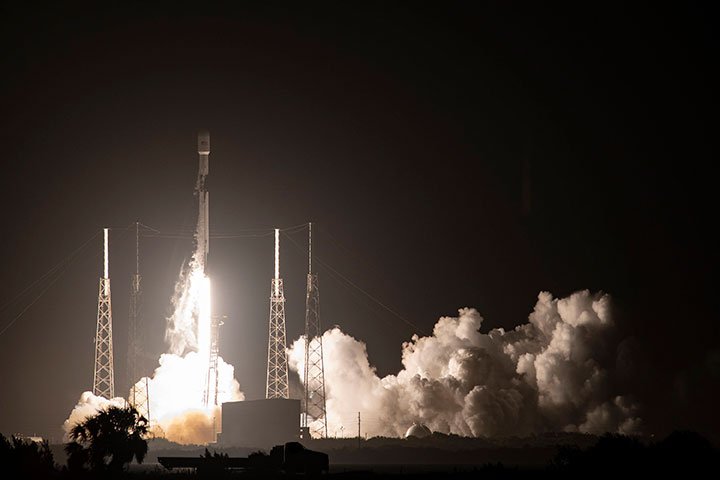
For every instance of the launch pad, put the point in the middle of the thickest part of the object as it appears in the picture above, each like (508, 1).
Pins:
(259, 423)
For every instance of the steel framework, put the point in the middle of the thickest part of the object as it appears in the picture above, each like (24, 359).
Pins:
(314, 411)
(139, 395)
(211, 386)
(104, 372)
(277, 366)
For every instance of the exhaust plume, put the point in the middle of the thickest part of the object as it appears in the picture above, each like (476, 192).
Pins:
(177, 385)
(553, 373)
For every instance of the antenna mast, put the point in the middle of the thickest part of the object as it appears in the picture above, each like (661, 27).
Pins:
(104, 372)
(277, 370)
(314, 411)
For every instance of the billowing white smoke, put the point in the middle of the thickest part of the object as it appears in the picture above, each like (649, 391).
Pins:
(89, 405)
(176, 397)
(182, 333)
(550, 374)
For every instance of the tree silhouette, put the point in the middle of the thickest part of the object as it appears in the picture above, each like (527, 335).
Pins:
(612, 453)
(20, 457)
(108, 441)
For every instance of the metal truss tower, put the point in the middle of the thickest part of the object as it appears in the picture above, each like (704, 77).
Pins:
(104, 373)
(139, 396)
(211, 386)
(277, 367)
(314, 402)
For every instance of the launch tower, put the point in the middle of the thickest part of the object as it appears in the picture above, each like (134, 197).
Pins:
(104, 376)
(314, 379)
(277, 368)
(139, 396)
(211, 386)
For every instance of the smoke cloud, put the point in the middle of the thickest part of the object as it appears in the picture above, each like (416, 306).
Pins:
(182, 333)
(553, 373)
(87, 406)
(177, 409)
(194, 427)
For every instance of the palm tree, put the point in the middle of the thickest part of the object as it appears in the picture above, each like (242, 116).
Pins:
(108, 440)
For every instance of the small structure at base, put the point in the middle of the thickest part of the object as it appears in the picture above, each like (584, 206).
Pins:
(260, 423)
(418, 430)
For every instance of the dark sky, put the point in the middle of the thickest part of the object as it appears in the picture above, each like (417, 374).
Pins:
(405, 132)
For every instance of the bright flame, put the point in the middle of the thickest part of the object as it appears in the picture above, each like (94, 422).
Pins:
(178, 384)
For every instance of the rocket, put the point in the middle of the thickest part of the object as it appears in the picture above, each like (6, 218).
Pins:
(203, 142)
(203, 230)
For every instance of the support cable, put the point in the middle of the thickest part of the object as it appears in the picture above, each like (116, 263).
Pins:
(60, 267)
(360, 289)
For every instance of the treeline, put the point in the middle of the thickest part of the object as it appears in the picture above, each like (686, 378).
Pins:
(681, 453)
(21, 458)
(104, 443)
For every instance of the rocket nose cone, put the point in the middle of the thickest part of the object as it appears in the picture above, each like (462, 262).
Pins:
(204, 142)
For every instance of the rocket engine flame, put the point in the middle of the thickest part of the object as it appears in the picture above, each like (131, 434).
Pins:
(177, 385)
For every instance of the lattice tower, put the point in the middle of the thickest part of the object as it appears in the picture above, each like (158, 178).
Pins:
(314, 411)
(104, 372)
(211, 385)
(277, 367)
(139, 393)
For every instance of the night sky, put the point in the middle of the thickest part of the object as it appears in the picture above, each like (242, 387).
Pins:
(448, 157)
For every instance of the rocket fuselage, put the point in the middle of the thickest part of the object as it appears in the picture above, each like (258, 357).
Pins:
(204, 142)
(203, 238)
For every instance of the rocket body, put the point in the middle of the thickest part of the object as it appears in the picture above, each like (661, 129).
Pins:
(203, 231)
(204, 142)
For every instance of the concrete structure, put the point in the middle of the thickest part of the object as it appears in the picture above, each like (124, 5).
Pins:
(260, 423)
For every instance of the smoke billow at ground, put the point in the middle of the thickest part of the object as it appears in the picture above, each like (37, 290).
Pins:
(557, 372)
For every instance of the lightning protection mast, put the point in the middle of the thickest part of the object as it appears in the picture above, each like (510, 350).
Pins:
(277, 371)
(314, 380)
(104, 376)
(139, 396)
